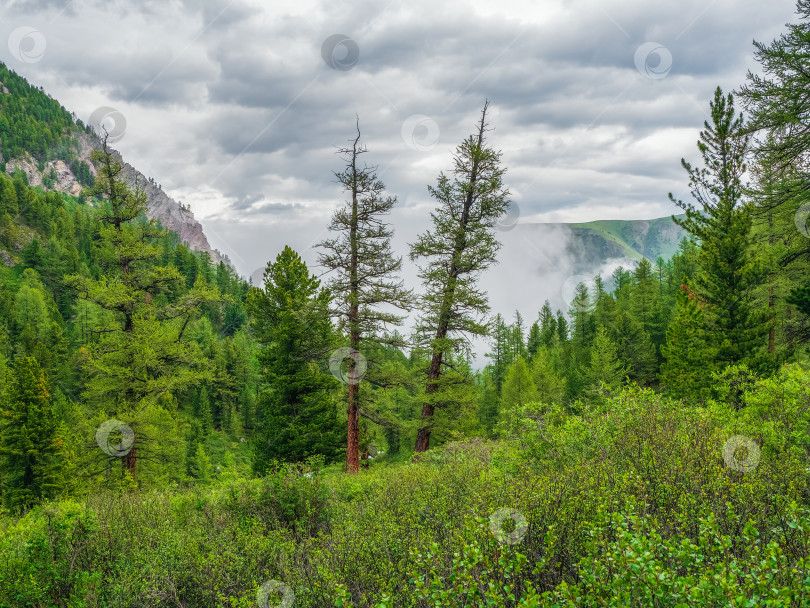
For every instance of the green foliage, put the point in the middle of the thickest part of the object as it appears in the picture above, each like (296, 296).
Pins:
(31, 121)
(518, 390)
(628, 503)
(30, 444)
(605, 367)
(722, 222)
(550, 384)
(688, 366)
(295, 416)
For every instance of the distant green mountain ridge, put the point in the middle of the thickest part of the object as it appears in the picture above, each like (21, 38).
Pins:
(594, 242)
(633, 238)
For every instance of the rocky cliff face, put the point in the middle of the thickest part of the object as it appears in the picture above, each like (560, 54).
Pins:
(161, 206)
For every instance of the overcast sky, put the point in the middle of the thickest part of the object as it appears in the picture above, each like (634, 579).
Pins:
(237, 107)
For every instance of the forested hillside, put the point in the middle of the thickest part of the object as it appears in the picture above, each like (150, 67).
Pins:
(173, 436)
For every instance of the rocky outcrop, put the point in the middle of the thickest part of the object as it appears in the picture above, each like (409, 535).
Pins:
(161, 206)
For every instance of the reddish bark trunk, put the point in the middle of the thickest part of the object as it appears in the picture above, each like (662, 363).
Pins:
(353, 433)
(353, 430)
(771, 299)
(423, 435)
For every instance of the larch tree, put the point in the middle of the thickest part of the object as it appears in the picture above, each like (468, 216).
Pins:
(458, 248)
(364, 279)
(549, 384)
(548, 325)
(499, 351)
(140, 353)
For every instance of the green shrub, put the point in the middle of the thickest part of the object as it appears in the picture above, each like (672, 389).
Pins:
(630, 501)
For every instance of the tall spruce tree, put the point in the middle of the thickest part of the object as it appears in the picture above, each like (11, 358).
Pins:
(645, 302)
(721, 222)
(365, 279)
(460, 246)
(295, 414)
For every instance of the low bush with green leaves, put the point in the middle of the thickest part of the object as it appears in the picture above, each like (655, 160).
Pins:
(630, 502)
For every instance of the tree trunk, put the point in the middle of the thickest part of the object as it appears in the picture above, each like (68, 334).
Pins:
(423, 436)
(353, 432)
(771, 299)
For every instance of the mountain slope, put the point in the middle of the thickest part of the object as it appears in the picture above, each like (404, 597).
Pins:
(43, 140)
(630, 238)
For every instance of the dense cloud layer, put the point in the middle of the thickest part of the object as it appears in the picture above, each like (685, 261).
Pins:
(231, 106)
